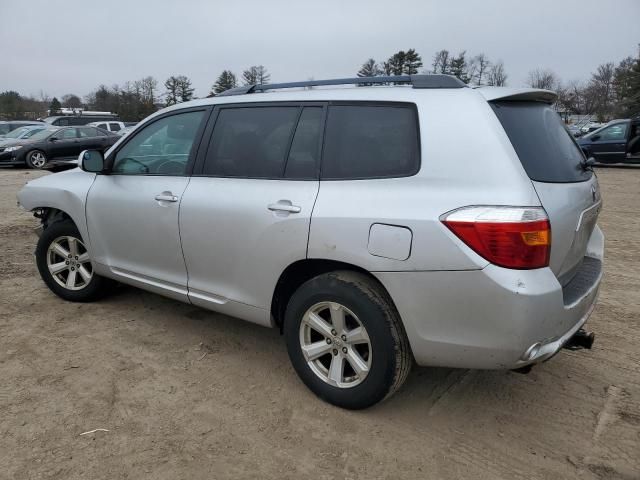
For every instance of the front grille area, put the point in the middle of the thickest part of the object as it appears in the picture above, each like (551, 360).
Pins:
(583, 280)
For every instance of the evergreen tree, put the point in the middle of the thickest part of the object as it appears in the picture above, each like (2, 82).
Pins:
(369, 69)
(458, 67)
(54, 106)
(396, 62)
(412, 62)
(185, 90)
(171, 95)
(225, 81)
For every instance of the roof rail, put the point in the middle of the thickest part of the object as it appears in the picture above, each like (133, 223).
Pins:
(417, 81)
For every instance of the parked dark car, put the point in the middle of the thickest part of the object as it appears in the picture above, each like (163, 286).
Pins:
(66, 120)
(8, 126)
(54, 146)
(616, 142)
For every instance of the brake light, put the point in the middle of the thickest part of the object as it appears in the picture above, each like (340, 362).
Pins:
(511, 237)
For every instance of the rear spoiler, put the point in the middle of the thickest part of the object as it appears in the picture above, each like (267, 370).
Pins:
(492, 94)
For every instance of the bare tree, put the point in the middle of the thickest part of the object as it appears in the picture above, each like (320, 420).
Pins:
(601, 87)
(256, 75)
(545, 79)
(497, 76)
(71, 101)
(481, 70)
(441, 62)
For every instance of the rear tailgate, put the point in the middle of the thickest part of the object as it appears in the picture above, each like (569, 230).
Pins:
(553, 161)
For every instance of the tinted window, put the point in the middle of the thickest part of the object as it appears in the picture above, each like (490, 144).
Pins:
(102, 126)
(251, 142)
(305, 148)
(161, 148)
(4, 128)
(370, 142)
(114, 127)
(546, 149)
(61, 122)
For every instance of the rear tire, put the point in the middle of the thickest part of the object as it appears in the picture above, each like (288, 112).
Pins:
(65, 266)
(348, 318)
(36, 159)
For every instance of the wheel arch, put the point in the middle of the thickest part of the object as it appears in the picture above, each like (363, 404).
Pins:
(299, 272)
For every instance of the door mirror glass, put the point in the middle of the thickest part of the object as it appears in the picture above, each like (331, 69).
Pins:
(91, 161)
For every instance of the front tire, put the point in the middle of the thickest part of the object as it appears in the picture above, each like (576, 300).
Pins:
(65, 266)
(345, 339)
(36, 159)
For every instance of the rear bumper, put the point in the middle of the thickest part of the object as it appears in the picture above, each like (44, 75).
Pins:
(491, 318)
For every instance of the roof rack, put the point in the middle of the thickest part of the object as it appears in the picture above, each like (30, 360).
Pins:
(417, 81)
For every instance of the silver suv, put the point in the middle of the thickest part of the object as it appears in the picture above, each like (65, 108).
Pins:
(371, 225)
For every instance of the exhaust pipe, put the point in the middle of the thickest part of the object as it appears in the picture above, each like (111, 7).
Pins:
(581, 339)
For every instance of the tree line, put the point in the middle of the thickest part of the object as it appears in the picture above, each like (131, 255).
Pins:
(613, 89)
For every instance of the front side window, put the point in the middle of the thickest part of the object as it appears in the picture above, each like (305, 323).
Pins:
(614, 132)
(365, 141)
(251, 142)
(160, 148)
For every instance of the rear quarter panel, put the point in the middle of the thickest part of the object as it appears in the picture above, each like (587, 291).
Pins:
(467, 159)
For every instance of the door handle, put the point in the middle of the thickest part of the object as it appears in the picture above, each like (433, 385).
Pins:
(284, 206)
(166, 197)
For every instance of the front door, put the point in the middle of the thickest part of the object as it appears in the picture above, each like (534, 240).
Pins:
(63, 143)
(132, 212)
(245, 215)
(609, 144)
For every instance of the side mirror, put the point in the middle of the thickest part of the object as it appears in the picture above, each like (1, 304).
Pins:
(53, 139)
(595, 138)
(91, 161)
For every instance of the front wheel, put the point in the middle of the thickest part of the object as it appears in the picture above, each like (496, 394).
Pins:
(65, 265)
(36, 159)
(345, 339)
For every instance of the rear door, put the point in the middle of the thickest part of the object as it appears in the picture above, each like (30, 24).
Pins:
(553, 161)
(245, 215)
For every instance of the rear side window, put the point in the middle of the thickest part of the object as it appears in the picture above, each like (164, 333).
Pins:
(114, 127)
(547, 150)
(364, 141)
(251, 142)
(305, 148)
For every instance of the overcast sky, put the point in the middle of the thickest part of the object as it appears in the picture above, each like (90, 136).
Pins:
(72, 46)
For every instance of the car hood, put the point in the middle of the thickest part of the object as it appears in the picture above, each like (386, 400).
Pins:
(16, 141)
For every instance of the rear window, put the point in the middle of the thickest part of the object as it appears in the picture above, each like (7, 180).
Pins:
(365, 141)
(547, 150)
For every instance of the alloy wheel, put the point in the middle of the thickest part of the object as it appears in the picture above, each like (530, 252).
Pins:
(69, 264)
(335, 344)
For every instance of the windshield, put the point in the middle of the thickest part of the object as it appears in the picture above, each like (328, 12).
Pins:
(42, 134)
(17, 133)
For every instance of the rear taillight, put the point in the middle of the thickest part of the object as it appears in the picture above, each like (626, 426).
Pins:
(511, 237)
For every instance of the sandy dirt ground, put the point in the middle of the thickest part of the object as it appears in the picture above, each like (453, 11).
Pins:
(189, 394)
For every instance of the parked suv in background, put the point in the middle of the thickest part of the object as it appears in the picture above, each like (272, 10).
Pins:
(113, 127)
(356, 220)
(66, 120)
